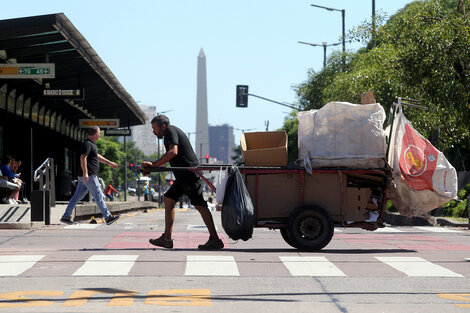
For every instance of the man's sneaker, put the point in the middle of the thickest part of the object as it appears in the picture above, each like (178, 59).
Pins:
(5, 201)
(67, 221)
(212, 244)
(112, 218)
(162, 242)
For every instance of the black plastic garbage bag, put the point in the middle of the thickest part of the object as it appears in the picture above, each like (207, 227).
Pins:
(238, 216)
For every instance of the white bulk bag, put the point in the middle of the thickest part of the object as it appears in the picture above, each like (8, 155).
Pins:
(343, 134)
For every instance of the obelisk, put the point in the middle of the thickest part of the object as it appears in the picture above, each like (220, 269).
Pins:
(202, 126)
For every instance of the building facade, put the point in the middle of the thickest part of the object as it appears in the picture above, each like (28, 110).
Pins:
(142, 135)
(222, 142)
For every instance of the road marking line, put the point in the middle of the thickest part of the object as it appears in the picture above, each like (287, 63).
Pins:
(199, 227)
(19, 299)
(416, 266)
(107, 265)
(435, 229)
(179, 297)
(211, 265)
(310, 266)
(14, 265)
(82, 226)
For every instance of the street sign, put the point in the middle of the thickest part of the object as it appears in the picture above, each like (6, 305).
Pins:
(117, 132)
(70, 94)
(102, 123)
(27, 70)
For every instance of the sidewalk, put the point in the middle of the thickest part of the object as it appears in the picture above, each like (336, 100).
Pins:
(18, 216)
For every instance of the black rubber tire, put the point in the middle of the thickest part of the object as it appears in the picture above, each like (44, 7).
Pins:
(285, 236)
(310, 228)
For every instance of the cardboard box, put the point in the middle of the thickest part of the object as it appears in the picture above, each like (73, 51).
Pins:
(264, 148)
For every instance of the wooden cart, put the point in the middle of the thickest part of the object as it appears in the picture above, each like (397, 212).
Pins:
(306, 207)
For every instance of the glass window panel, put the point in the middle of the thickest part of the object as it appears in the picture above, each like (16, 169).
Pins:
(41, 115)
(58, 123)
(47, 118)
(34, 112)
(11, 101)
(3, 96)
(26, 108)
(19, 105)
(52, 121)
(64, 127)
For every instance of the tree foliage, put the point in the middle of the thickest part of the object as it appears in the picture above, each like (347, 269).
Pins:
(422, 52)
(113, 150)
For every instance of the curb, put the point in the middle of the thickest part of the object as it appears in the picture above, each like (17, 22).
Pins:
(401, 220)
(32, 225)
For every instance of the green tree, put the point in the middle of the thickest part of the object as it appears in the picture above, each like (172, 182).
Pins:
(422, 52)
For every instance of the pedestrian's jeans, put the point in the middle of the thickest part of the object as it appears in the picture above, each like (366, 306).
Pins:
(92, 185)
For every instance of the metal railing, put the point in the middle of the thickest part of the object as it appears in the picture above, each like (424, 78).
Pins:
(45, 175)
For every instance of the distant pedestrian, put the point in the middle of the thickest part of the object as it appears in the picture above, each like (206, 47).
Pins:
(88, 179)
(180, 153)
(109, 191)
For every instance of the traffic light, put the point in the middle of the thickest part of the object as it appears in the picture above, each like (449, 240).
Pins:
(242, 96)
(207, 158)
(131, 166)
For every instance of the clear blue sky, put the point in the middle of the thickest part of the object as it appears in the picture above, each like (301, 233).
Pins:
(152, 47)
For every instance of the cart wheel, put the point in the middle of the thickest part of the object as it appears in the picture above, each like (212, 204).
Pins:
(310, 228)
(285, 236)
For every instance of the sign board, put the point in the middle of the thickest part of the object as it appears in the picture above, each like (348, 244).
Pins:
(72, 94)
(102, 123)
(27, 70)
(118, 132)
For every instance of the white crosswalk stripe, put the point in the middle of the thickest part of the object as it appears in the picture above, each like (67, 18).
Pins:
(224, 265)
(310, 266)
(436, 229)
(14, 265)
(387, 230)
(82, 226)
(211, 265)
(416, 266)
(107, 265)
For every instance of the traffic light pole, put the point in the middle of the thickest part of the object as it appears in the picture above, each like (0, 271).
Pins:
(286, 105)
(242, 98)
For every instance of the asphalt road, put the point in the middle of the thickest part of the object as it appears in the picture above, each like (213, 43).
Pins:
(99, 268)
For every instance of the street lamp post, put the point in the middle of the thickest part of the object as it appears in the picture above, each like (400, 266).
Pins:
(324, 44)
(343, 13)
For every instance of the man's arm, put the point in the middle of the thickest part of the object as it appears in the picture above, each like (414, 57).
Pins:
(102, 159)
(170, 154)
(84, 166)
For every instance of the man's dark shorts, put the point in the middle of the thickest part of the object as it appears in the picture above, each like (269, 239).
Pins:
(191, 188)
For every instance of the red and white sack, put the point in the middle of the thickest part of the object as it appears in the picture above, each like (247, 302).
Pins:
(422, 178)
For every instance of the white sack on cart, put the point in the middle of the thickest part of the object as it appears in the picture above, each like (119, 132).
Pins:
(220, 184)
(343, 134)
(422, 178)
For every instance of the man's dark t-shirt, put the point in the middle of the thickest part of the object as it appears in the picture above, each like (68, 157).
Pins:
(89, 148)
(185, 157)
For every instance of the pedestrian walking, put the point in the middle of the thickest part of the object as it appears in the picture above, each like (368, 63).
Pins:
(88, 178)
(179, 153)
(110, 190)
